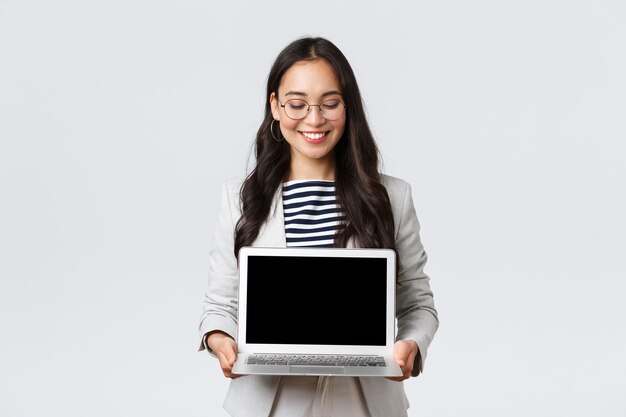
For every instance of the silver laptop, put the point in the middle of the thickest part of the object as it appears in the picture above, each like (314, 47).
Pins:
(314, 311)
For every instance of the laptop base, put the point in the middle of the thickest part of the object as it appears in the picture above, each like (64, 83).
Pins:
(242, 368)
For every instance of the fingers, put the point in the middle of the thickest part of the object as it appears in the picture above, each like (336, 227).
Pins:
(405, 352)
(225, 349)
(227, 357)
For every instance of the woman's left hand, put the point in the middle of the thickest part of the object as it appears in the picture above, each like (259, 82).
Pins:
(405, 352)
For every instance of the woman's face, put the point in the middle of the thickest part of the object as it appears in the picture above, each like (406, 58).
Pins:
(313, 138)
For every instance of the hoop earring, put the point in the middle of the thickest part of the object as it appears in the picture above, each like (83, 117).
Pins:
(272, 131)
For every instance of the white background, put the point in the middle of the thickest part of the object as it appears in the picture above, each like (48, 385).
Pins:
(119, 121)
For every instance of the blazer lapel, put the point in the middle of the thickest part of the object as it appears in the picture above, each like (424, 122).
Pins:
(272, 232)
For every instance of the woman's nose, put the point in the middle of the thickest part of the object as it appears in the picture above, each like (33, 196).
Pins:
(314, 116)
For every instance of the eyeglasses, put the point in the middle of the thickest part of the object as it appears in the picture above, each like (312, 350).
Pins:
(297, 109)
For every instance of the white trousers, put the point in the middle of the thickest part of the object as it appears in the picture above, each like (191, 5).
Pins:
(324, 396)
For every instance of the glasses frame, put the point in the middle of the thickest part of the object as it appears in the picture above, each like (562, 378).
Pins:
(308, 108)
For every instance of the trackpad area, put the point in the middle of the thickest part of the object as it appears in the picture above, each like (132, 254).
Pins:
(316, 370)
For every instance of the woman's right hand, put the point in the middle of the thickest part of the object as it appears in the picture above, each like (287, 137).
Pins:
(225, 349)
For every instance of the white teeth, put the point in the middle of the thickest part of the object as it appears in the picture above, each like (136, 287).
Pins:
(313, 136)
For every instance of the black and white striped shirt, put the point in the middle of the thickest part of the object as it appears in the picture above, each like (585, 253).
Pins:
(312, 215)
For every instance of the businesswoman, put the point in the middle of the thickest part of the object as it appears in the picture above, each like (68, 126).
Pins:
(317, 182)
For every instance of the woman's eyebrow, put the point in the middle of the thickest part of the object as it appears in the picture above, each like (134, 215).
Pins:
(332, 93)
(300, 93)
(295, 93)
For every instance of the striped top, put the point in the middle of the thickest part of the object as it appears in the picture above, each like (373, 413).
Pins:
(312, 215)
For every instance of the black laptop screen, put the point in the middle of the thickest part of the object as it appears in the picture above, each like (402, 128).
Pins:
(316, 300)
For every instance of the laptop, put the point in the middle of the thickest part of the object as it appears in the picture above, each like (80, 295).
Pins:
(316, 311)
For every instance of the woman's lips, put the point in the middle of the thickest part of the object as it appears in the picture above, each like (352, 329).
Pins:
(314, 137)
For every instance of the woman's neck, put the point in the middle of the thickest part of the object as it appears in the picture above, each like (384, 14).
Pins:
(312, 171)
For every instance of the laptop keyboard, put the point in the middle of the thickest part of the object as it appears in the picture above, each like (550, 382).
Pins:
(315, 360)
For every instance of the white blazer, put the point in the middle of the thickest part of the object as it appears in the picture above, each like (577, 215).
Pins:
(253, 395)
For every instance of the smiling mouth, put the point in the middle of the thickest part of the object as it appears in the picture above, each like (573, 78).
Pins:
(314, 137)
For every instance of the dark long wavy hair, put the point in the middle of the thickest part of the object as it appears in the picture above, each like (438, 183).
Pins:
(360, 194)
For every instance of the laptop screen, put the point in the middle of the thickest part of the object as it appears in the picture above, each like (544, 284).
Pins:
(316, 300)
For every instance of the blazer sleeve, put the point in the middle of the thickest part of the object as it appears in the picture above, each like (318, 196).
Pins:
(219, 305)
(415, 308)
